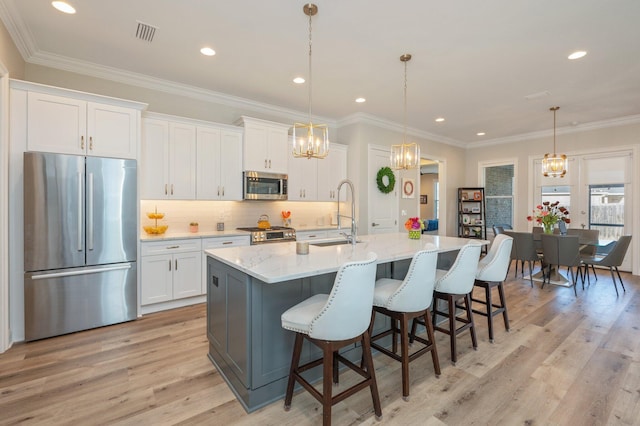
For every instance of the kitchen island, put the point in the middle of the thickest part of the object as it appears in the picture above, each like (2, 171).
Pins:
(248, 289)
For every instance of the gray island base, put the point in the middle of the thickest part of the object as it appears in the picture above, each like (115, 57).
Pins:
(248, 289)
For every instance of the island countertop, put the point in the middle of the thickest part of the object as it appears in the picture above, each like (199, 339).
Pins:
(278, 262)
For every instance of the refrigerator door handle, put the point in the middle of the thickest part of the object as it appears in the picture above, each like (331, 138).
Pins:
(80, 215)
(90, 213)
(81, 272)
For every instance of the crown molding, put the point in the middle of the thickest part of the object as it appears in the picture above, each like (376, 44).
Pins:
(140, 80)
(584, 127)
(361, 117)
(18, 31)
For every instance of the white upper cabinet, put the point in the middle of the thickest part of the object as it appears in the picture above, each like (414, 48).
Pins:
(265, 146)
(317, 180)
(75, 126)
(168, 160)
(219, 164)
(331, 171)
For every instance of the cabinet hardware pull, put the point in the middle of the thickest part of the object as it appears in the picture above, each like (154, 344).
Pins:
(169, 264)
(265, 163)
(269, 163)
(218, 190)
(82, 142)
(176, 264)
(172, 247)
(165, 189)
(228, 242)
(171, 189)
(91, 143)
(375, 224)
(223, 191)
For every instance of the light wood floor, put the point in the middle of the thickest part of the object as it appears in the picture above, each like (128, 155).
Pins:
(566, 361)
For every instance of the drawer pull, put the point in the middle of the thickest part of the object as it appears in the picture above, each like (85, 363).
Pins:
(172, 247)
(228, 242)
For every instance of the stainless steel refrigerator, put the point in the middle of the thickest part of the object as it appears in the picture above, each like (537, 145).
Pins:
(80, 243)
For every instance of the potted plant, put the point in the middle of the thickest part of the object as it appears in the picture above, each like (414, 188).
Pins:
(193, 227)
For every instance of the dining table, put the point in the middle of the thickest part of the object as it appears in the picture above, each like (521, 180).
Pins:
(556, 276)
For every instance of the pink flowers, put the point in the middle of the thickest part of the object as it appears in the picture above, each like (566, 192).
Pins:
(549, 214)
(414, 224)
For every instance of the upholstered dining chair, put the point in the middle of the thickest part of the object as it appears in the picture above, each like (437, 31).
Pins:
(612, 260)
(453, 286)
(524, 250)
(402, 301)
(491, 273)
(587, 251)
(330, 322)
(562, 250)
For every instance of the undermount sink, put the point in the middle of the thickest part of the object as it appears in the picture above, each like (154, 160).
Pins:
(331, 243)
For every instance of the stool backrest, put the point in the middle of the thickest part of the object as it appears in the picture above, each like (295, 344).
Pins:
(416, 291)
(617, 253)
(460, 277)
(347, 313)
(493, 267)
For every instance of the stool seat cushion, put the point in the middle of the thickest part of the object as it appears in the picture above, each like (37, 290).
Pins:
(299, 317)
(385, 288)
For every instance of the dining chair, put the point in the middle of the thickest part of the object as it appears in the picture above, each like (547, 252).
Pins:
(587, 251)
(402, 301)
(330, 322)
(524, 250)
(562, 250)
(612, 260)
(491, 273)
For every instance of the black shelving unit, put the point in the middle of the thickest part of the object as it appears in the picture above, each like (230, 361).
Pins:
(472, 221)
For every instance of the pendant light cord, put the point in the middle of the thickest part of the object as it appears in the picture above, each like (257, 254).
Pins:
(404, 141)
(310, 75)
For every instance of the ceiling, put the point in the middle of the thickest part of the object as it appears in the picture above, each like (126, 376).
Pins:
(474, 62)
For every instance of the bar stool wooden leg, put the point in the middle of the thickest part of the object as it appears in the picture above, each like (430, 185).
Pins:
(472, 328)
(487, 292)
(452, 327)
(404, 341)
(432, 338)
(297, 350)
(373, 385)
(327, 367)
(505, 315)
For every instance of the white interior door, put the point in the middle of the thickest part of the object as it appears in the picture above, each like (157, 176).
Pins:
(382, 208)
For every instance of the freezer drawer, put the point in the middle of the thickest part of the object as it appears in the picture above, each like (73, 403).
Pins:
(63, 301)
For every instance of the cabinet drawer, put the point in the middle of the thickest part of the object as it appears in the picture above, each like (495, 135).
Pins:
(171, 246)
(221, 242)
(310, 235)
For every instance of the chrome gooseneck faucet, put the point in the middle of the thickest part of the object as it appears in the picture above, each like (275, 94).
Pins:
(353, 237)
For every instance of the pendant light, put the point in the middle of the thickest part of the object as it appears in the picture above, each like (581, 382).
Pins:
(554, 165)
(406, 155)
(310, 140)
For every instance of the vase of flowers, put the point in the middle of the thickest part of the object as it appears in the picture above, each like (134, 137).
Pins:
(548, 214)
(415, 226)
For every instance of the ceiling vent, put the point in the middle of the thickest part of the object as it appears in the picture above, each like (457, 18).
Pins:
(145, 32)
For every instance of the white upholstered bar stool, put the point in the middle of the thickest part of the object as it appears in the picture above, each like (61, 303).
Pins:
(332, 321)
(402, 301)
(491, 273)
(455, 285)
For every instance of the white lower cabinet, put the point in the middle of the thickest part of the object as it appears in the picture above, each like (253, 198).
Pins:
(311, 235)
(215, 243)
(170, 270)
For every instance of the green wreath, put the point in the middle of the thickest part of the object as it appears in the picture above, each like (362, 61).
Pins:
(385, 171)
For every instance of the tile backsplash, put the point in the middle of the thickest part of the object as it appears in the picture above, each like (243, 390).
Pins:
(178, 214)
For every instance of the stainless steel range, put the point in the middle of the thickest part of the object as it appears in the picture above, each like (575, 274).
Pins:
(275, 234)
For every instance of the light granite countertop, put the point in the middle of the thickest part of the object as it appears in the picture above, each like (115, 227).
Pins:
(273, 263)
(226, 233)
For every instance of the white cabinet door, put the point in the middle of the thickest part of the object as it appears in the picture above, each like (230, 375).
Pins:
(154, 160)
(231, 165)
(265, 146)
(208, 186)
(277, 153)
(303, 179)
(219, 163)
(111, 131)
(56, 124)
(157, 279)
(182, 161)
(187, 274)
(331, 171)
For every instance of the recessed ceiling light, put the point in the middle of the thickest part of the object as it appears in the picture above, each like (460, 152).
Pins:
(439, 119)
(63, 7)
(298, 80)
(480, 133)
(207, 51)
(577, 55)
(360, 100)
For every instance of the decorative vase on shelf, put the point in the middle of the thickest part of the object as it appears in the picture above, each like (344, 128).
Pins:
(415, 235)
(547, 228)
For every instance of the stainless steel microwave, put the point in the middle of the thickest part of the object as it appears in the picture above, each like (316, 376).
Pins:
(264, 186)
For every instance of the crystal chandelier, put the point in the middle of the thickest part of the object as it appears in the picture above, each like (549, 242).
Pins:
(554, 165)
(310, 140)
(406, 155)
